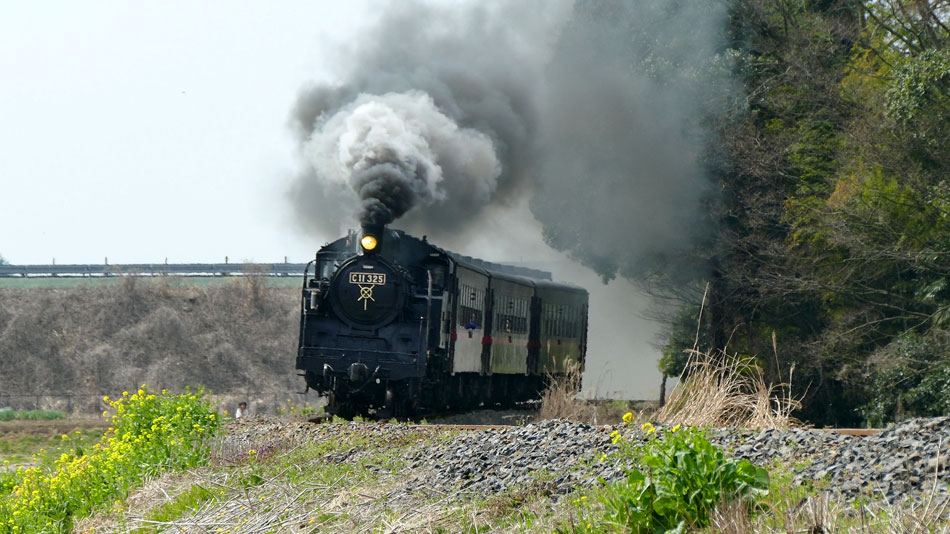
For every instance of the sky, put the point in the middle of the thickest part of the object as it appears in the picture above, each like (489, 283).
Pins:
(152, 130)
(158, 131)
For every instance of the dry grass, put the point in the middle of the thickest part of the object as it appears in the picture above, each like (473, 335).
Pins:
(235, 338)
(720, 390)
(822, 515)
(561, 399)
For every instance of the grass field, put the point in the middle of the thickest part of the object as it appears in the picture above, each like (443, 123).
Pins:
(174, 281)
(21, 439)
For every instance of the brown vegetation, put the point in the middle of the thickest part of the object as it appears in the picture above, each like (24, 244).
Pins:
(65, 347)
(728, 391)
(560, 400)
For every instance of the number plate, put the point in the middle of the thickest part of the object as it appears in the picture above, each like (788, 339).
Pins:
(365, 279)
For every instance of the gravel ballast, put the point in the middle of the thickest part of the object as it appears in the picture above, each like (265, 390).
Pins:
(908, 460)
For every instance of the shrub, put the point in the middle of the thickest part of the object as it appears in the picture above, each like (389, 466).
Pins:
(150, 433)
(678, 479)
(910, 378)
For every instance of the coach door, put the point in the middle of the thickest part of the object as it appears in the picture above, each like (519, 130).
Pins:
(469, 330)
(511, 303)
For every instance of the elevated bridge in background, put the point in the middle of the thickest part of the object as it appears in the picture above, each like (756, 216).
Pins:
(152, 269)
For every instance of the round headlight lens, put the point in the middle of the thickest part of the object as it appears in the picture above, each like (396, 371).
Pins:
(368, 242)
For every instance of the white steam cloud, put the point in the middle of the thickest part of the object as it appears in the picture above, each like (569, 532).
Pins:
(396, 151)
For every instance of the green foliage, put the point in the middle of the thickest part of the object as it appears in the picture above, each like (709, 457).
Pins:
(33, 415)
(835, 215)
(150, 433)
(683, 338)
(185, 502)
(680, 477)
(920, 82)
(912, 381)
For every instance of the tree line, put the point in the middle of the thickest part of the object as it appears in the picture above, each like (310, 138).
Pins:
(832, 251)
(827, 250)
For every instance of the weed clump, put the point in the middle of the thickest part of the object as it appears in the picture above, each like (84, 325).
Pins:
(676, 480)
(728, 391)
(560, 399)
(150, 433)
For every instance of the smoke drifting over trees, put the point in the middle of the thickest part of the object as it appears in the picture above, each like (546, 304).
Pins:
(592, 110)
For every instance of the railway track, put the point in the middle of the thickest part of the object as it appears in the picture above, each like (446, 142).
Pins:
(858, 432)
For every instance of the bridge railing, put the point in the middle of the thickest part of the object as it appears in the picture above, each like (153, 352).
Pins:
(152, 269)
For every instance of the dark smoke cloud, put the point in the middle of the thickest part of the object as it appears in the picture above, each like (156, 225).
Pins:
(398, 150)
(630, 98)
(597, 111)
(479, 66)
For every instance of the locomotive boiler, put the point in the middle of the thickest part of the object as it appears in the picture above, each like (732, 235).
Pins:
(392, 325)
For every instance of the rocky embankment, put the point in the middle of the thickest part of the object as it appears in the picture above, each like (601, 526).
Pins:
(908, 460)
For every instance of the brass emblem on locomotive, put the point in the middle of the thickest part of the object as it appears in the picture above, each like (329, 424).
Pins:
(366, 282)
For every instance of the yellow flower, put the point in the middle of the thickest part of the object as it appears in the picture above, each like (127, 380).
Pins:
(615, 435)
(627, 417)
(648, 427)
(252, 452)
(106, 398)
(675, 428)
(125, 393)
(603, 457)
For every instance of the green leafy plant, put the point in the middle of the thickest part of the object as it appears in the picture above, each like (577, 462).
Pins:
(678, 479)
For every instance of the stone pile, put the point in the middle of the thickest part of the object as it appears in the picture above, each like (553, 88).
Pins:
(559, 454)
(910, 459)
(906, 460)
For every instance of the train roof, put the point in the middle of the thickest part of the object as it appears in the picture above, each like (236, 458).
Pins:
(536, 277)
(487, 266)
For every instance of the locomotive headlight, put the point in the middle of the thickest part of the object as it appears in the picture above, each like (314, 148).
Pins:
(368, 242)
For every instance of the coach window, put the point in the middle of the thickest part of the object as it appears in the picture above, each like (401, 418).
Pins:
(572, 322)
(470, 314)
(326, 265)
(438, 276)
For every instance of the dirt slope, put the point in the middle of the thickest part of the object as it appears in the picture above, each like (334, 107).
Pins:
(237, 338)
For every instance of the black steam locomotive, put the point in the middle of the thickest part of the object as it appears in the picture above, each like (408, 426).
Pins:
(392, 325)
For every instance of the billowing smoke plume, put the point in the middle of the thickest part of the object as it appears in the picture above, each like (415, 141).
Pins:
(477, 69)
(597, 112)
(397, 150)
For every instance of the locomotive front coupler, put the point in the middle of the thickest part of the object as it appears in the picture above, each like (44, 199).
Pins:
(373, 378)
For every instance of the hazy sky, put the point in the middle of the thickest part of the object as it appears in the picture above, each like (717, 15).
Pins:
(141, 131)
(146, 130)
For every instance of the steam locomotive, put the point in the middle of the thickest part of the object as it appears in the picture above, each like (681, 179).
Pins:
(392, 325)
